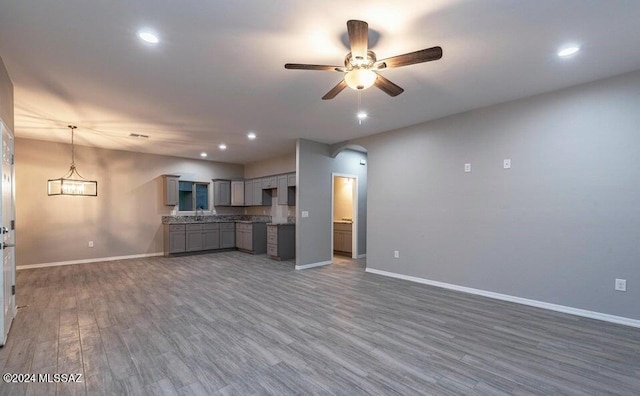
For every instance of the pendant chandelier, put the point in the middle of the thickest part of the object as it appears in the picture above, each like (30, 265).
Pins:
(72, 183)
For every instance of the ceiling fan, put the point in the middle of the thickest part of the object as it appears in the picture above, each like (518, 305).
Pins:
(361, 65)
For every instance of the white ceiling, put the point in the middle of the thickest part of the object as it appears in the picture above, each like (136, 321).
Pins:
(218, 70)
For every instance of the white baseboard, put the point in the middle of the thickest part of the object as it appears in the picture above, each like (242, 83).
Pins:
(306, 266)
(360, 256)
(519, 300)
(86, 261)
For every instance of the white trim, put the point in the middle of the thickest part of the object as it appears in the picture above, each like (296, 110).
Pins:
(361, 256)
(519, 300)
(87, 261)
(306, 266)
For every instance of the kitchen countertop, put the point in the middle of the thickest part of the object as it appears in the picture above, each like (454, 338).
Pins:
(215, 219)
(281, 224)
(342, 222)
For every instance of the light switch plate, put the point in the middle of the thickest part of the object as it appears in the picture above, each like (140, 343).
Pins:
(506, 164)
(621, 285)
(304, 213)
(467, 168)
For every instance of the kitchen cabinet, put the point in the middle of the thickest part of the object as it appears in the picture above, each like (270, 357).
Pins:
(286, 194)
(270, 182)
(170, 189)
(210, 236)
(251, 237)
(260, 197)
(291, 180)
(237, 193)
(248, 193)
(193, 237)
(281, 241)
(227, 235)
(221, 192)
(342, 237)
(174, 238)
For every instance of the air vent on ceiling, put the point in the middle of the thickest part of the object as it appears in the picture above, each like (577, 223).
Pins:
(137, 135)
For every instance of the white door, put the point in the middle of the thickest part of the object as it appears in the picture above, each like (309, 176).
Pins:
(7, 230)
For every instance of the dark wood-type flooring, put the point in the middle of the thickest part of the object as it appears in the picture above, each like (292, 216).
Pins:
(235, 324)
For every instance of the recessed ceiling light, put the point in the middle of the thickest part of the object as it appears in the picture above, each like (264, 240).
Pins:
(251, 135)
(148, 37)
(222, 146)
(361, 115)
(203, 154)
(568, 51)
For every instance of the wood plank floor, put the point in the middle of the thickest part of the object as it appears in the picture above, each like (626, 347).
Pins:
(231, 323)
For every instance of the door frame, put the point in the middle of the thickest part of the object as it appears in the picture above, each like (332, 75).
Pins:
(12, 311)
(354, 231)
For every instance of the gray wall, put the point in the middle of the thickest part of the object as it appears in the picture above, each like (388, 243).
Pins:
(6, 97)
(559, 226)
(314, 168)
(124, 219)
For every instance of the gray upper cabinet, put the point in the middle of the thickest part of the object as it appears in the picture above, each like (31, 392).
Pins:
(270, 182)
(221, 192)
(170, 183)
(291, 180)
(248, 193)
(286, 194)
(260, 196)
(237, 193)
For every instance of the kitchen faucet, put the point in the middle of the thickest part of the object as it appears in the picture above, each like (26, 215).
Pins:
(199, 214)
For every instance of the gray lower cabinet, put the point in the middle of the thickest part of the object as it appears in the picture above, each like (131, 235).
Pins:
(174, 238)
(181, 238)
(210, 236)
(227, 235)
(194, 237)
(342, 241)
(251, 237)
(281, 241)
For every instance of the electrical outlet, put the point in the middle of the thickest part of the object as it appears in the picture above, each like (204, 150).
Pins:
(90, 243)
(506, 164)
(467, 168)
(304, 213)
(621, 285)
(396, 254)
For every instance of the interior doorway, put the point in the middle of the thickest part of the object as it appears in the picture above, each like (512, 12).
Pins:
(344, 214)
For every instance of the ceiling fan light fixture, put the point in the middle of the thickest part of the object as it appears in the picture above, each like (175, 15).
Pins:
(360, 79)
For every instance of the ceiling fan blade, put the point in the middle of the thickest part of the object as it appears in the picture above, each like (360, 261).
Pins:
(425, 55)
(358, 38)
(387, 86)
(302, 66)
(335, 90)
